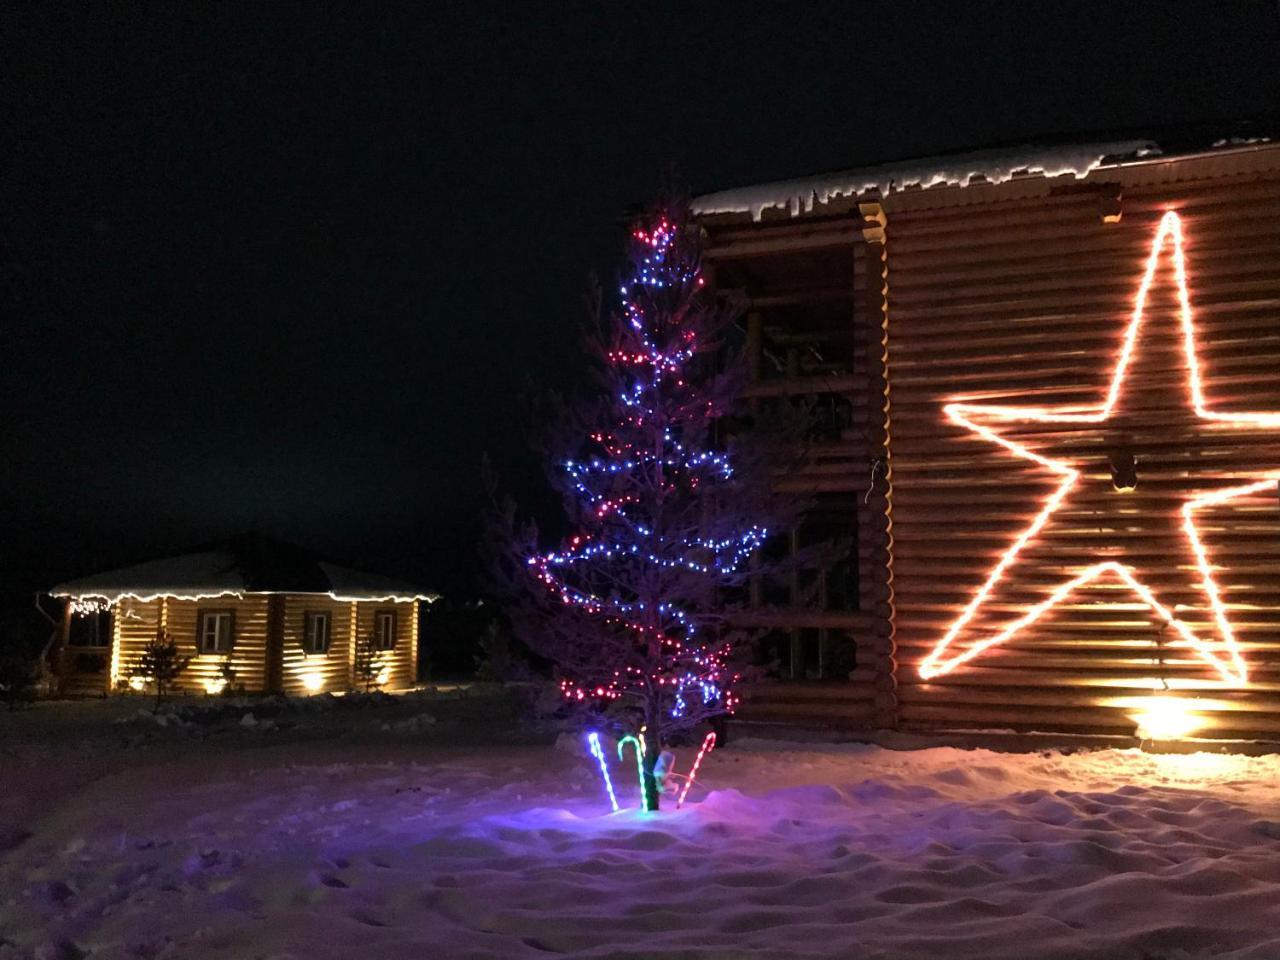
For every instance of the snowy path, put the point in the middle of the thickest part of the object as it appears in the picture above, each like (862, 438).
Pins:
(422, 850)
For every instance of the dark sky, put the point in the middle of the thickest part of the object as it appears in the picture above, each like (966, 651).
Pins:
(285, 268)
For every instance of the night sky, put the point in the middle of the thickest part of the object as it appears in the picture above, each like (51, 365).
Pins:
(286, 268)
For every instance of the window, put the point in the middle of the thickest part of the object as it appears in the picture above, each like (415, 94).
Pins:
(315, 636)
(90, 629)
(384, 630)
(217, 629)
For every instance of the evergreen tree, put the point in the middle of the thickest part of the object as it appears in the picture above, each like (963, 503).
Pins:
(368, 663)
(670, 482)
(161, 663)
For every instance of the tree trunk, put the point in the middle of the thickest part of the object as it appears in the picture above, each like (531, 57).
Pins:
(652, 747)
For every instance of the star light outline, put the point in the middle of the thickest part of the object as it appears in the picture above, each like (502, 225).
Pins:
(1234, 670)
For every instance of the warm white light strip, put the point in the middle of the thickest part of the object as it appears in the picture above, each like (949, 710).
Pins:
(111, 599)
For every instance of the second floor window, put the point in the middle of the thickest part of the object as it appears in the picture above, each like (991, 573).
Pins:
(384, 630)
(316, 635)
(217, 628)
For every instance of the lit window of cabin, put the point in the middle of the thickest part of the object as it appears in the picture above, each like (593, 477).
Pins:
(217, 628)
(384, 630)
(316, 634)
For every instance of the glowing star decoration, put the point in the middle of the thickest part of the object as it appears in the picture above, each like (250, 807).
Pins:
(979, 419)
(708, 743)
(593, 741)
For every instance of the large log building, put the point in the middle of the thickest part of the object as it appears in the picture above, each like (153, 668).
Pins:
(1050, 384)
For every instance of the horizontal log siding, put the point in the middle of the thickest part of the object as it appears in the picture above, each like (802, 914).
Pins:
(1025, 302)
(134, 627)
(137, 623)
(402, 662)
(331, 671)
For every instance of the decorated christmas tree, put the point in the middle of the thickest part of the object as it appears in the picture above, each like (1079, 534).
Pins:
(670, 483)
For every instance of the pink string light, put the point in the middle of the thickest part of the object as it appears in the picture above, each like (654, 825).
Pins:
(708, 743)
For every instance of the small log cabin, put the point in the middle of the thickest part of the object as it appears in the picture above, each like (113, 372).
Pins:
(252, 613)
(1049, 380)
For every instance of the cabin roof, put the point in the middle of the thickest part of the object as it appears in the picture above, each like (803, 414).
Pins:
(1050, 157)
(245, 564)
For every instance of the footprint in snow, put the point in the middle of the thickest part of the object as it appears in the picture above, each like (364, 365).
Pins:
(1268, 828)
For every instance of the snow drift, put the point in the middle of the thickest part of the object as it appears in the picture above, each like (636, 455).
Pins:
(416, 850)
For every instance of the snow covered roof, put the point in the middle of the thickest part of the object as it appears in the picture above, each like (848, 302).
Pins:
(247, 564)
(993, 165)
(960, 169)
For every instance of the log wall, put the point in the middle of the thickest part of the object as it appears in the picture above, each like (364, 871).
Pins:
(1020, 294)
(1026, 302)
(300, 674)
(305, 673)
(136, 623)
(401, 662)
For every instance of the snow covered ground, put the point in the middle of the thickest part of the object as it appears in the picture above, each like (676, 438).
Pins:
(374, 835)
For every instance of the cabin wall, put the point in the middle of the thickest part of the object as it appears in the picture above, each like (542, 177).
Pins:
(305, 673)
(301, 674)
(400, 663)
(1025, 302)
(136, 623)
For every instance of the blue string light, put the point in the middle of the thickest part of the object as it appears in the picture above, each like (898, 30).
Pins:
(649, 359)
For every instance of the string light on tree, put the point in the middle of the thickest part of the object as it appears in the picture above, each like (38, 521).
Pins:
(672, 497)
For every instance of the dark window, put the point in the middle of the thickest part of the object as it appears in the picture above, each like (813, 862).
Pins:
(316, 633)
(384, 630)
(216, 631)
(90, 629)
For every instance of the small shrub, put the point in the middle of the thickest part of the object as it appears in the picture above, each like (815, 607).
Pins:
(161, 663)
(227, 673)
(368, 664)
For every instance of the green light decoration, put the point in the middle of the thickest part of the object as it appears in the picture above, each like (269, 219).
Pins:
(637, 745)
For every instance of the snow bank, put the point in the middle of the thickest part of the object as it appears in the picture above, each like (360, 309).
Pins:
(995, 166)
(793, 852)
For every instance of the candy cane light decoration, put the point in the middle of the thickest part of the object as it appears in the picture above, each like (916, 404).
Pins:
(942, 659)
(593, 741)
(637, 745)
(708, 742)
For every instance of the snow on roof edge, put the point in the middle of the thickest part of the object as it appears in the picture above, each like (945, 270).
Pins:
(114, 596)
(995, 166)
(210, 574)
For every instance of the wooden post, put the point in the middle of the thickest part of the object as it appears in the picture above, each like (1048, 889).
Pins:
(797, 637)
(113, 670)
(275, 643)
(875, 522)
(58, 657)
(824, 634)
(755, 344)
(415, 615)
(353, 636)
